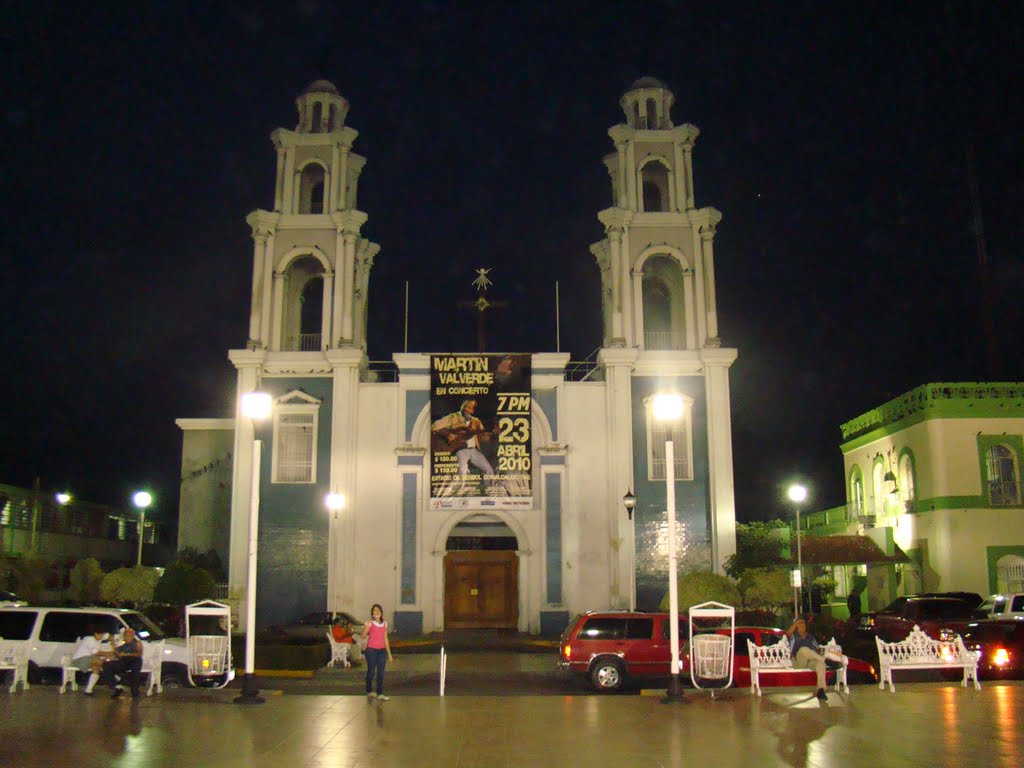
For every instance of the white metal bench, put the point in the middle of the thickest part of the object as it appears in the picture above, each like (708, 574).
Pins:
(152, 665)
(14, 656)
(918, 651)
(339, 652)
(769, 659)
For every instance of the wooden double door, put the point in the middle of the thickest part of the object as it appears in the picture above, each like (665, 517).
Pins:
(481, 589)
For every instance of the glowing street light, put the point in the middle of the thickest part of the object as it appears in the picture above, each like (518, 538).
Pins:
(668, 408)
(255, 406)
(798, 495)
(141, 500)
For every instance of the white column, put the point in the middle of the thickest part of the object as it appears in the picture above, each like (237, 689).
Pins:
(679, 177)
(631, 176)
(279, 180)
(259, 256)
(275, 338)
(325, 317)
(688, 163)
(707, 235)
(622, 198)
(344, 451)
(343, 180)
(346, 278)
(615, 242)
(331, 191)
(241, 484)
(698, 293)
(722, 492)
(267, 307)
(288, 191)
(340, 302)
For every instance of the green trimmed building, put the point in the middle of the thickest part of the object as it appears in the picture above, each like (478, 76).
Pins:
(935, 474)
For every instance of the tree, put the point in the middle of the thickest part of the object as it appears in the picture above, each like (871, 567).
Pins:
(184, 582)
(30, 574)
(131, 586)
(86, 579)
(699, 587)
(765, 589)
(758, 545)
(209, 561)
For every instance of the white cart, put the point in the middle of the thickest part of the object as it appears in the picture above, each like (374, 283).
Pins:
(208, 636)
(711, 650)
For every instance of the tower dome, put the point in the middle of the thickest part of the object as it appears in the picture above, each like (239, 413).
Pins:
(648, 104)
(321, 108)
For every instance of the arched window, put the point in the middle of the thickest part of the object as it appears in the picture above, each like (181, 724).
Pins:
(878, 488)
(655, 187)
(652, 114)
(311, 189)
(1010, 574)
(906, 478)
(856, 492)
(332, 115)
(318, 114)
(637, 123)
(311, 314)
(1001, 465)
(663, 296)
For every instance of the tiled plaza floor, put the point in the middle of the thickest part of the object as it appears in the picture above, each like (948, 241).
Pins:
(922, 724)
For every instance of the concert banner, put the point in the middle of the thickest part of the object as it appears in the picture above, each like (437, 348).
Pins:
(480, 442)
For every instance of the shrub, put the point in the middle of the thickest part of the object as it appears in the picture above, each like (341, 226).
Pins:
(130, 586)
(184, 582)
(86, 578)
(765, 589)
(699, 587)
(30, 574)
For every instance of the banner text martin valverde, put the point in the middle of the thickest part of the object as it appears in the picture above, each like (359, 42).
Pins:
(463, 375)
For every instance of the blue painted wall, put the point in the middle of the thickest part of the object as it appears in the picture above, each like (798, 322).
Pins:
(292, 558)
(692, 501)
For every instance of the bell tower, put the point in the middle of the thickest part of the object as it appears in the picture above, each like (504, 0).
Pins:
(311, 267)
(657, 260)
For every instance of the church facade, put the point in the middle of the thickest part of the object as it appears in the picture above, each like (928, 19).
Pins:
(419, 524)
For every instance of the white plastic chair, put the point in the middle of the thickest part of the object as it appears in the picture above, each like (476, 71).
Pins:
(14, 656)
(152, 665)
(339, 652)
(68, 674)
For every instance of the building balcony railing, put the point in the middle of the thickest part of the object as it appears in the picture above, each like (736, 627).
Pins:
(664, 340)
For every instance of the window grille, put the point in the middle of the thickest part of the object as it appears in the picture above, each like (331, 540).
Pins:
(682, 444)
(1002, 476)
(294, 448)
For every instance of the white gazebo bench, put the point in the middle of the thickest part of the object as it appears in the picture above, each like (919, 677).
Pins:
(918, 651)
(14, 656)
(339, 652)
(769, 659)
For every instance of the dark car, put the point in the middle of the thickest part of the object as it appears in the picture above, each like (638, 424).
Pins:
(931, 614)
(313, 627)
(999, 644)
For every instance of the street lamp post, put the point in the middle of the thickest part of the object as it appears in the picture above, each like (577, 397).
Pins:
(798, 494)
(335, 503)
(141, 500)
(255, 407)
(669, 409)
(629, 502)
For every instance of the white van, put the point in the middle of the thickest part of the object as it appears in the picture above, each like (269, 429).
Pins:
(1007, 606)
(53, 633)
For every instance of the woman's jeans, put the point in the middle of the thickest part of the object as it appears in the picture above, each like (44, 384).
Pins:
(376, 658)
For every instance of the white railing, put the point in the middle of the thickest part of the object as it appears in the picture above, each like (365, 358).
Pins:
(664, 340)
(309, 342)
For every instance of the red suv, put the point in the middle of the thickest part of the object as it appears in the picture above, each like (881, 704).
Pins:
(608, 646)
(931, 614)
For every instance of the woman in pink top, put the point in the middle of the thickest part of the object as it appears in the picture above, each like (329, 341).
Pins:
(378, 651)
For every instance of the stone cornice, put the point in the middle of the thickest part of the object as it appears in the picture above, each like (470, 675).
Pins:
(620, 133)
(263, 222)
(686, 133)
(187, 425)
(247, 358)
(615, 217)
(349, 221)
(617, 356)
(356, 162)
(668, 363)
(343, 137)
(725, 356)
(347, 357)
(705, 217)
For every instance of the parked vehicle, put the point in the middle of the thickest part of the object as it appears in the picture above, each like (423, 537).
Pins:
(310, 628)
(53, 633)
(10, 600)
(932, 614)
(999, 644)
(610, 648)
(1002, 606)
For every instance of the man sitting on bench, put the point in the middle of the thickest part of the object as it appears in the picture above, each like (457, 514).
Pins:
(127, 663)
(806, 653)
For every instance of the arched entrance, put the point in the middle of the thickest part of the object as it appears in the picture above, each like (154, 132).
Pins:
(481, 575)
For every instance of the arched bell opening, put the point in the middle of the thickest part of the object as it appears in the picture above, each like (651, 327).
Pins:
(664, 304)
(303, 305)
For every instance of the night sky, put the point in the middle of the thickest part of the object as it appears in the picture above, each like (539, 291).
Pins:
(136, 140)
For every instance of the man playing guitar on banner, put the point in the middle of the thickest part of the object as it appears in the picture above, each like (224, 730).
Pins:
(460, 433)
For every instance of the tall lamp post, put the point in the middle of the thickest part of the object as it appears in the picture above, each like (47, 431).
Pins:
(255, 406)
(629, 502)
(141, 500)
(667, 410)
(335, 503)
(798, 495)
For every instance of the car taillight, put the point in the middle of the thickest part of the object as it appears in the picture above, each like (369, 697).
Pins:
(948, 654)
(1001, 657)
(567, 652)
